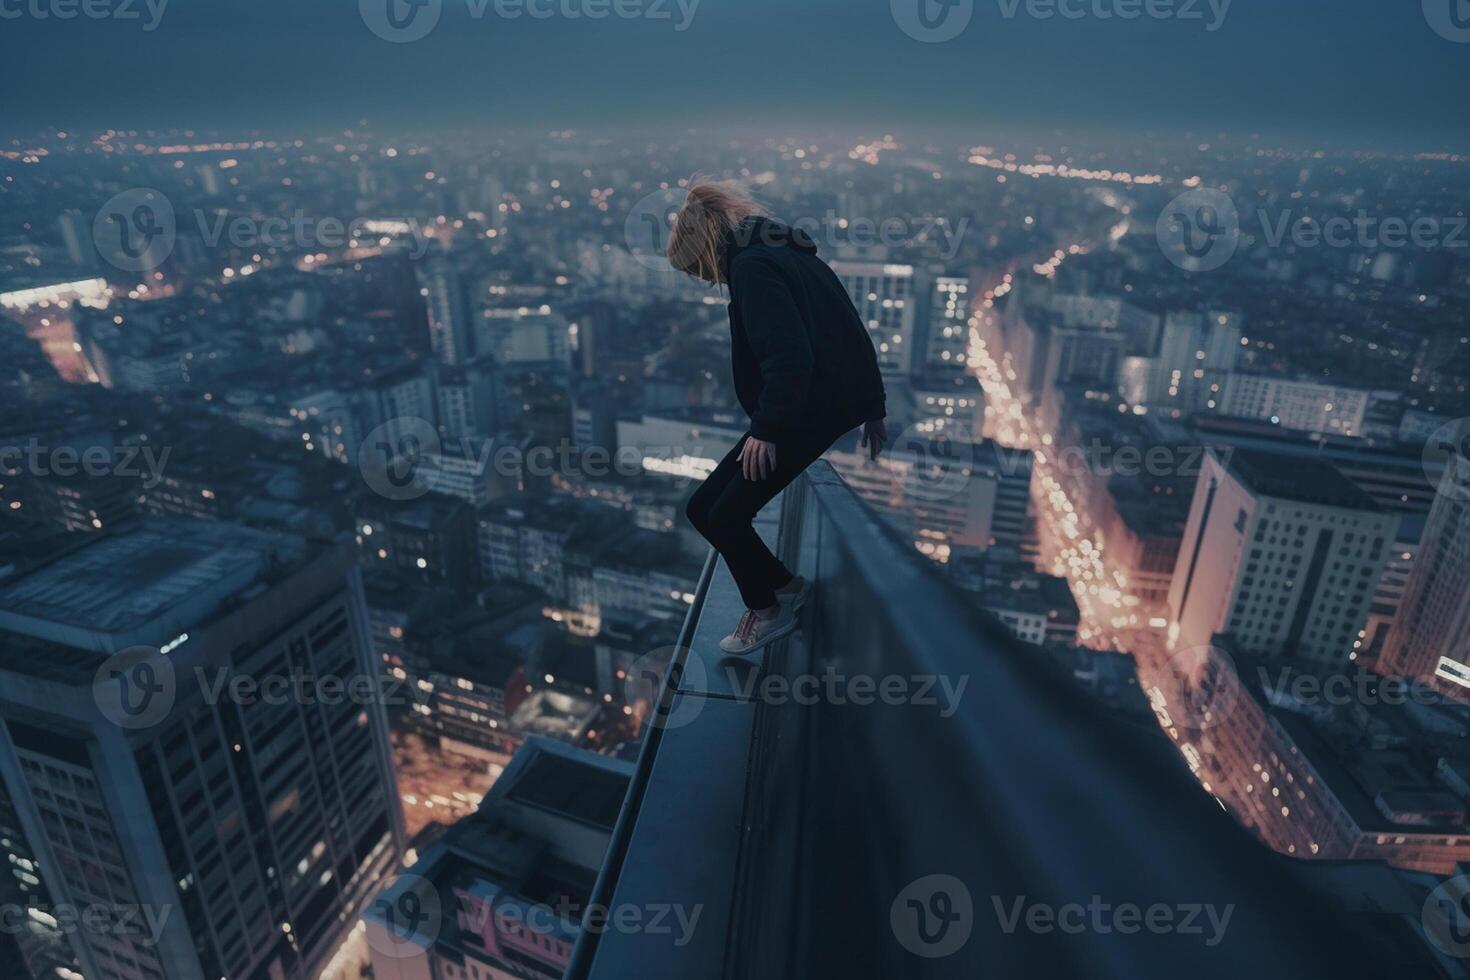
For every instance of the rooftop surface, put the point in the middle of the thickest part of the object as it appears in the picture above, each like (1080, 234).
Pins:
(810, 832)
(1298, 479)
(121, 582)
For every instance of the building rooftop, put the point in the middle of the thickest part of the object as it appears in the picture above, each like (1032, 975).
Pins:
(512, 879)
(127, 588)
(1295, 478)
(808, 832)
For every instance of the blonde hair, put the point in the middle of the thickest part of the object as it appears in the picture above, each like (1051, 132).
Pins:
(711, 210)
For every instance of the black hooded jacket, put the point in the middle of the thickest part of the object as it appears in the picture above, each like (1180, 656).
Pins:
(803, 359)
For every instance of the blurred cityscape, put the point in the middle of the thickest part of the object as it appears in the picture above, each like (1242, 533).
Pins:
(343, 482)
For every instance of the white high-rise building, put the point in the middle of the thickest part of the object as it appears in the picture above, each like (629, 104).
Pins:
(1304, 405)
(1282, 554)
(884, 296)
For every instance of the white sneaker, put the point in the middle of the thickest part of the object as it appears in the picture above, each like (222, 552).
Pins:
(753, 632)
(795, 600)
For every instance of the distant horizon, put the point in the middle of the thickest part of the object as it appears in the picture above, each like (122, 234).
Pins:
(911, 134)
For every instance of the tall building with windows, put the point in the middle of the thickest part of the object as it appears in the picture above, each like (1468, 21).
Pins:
(1304, 405)
(945, 493)
(467, 400)
(451, 327)
(1188, 368)
(948, 341)
(1280, 554)
(40, 937)
(526, 336)
(503, 893)
(190, 727)
(1431, 635)
(884, 296)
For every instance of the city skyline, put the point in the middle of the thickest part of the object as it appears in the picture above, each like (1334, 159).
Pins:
(1112, 65)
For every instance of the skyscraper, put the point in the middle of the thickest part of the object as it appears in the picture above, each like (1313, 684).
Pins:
(884, 296)
(948, 326)
(1431, 636)
(1282, 554)
(451, 330)
(192, 730)
(1187, 365)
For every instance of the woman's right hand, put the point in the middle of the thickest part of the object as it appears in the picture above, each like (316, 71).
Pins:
(875, 437)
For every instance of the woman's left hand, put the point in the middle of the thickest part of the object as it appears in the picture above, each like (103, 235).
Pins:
(757, 459)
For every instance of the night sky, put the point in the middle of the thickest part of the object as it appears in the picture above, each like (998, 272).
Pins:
(1368, 71)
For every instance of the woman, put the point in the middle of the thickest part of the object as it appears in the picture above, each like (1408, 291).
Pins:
(805, 373)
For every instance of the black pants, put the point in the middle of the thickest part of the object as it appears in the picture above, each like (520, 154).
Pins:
(724, 508)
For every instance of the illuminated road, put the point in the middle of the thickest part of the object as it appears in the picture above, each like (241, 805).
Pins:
(1111, 617)
(1070, 547)
(435, 785)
